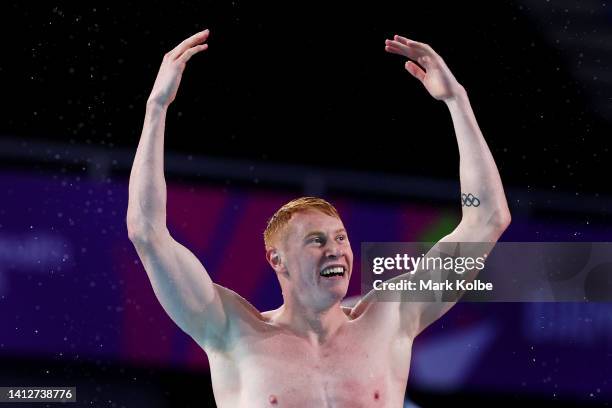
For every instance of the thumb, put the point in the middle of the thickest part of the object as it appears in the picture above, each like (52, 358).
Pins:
(415, 70)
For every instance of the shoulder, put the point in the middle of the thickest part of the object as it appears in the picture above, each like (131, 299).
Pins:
(269, 315)
(234, 303)
(377, 314)
(241, 319)
(348, 311)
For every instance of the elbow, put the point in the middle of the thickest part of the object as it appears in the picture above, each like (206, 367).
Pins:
(491, 228)
(502, 219)
(136, 233)
(142, 231)
(499, 222)
(134, 225)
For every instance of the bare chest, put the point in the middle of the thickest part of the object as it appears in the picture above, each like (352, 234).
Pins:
(353, 369)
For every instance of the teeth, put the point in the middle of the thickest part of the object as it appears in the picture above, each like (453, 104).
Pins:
(336, 270)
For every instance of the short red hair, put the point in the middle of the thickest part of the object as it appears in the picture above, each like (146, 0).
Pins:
(281, 217)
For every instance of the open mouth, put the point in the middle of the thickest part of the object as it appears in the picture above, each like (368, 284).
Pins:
(332, 271)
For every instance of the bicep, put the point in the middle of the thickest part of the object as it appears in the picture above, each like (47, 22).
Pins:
(183, 287)
(468, 241)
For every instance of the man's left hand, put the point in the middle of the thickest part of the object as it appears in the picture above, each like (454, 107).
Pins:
(431, 69)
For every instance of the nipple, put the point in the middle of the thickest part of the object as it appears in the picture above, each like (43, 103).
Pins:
(272, 399)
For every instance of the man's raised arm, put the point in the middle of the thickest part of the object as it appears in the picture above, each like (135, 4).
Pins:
(179, 280)
(485, 213)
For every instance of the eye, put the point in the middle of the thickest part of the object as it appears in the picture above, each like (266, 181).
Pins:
(317, 240)
(341, 238)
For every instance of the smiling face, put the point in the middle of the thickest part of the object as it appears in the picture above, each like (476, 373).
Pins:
(315, 260)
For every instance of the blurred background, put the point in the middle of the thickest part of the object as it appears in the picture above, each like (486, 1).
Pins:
(293, 99)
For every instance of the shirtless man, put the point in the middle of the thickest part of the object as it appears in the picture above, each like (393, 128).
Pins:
(310, 352)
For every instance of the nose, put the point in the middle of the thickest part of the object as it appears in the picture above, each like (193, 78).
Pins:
(334, 250)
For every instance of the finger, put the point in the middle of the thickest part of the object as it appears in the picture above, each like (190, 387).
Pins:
(195, 39)
(403, 40)
(415, 70)
(192, 51)
(407, 50)
(415, 44)
(394, 50)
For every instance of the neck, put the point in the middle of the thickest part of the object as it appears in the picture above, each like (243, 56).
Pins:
(316, 325)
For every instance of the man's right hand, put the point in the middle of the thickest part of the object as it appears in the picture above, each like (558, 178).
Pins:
(172, 67)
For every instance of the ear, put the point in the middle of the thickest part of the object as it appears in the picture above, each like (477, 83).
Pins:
(274, 259)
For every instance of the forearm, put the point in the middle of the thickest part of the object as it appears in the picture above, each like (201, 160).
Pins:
(477, 170)
(147, 188)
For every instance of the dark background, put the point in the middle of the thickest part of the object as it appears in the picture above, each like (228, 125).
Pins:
(309, 83)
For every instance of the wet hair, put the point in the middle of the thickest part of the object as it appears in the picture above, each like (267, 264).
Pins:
(281, 217)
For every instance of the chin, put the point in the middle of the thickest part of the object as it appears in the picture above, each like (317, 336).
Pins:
(338, 294)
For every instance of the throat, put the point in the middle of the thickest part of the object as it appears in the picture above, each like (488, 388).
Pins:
(317, 327)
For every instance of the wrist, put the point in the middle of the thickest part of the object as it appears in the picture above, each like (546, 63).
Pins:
(459, 95)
